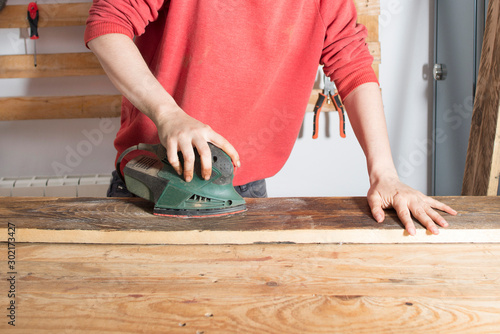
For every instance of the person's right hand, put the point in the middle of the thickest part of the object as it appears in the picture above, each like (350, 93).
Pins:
(180, 132)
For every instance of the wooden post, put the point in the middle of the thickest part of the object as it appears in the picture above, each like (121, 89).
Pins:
(482, 166)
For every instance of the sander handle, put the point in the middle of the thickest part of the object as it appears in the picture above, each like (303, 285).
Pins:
(157, 149)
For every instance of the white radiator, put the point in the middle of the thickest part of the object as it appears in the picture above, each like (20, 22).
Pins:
(56, 186)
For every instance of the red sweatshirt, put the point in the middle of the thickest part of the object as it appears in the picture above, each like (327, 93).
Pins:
(246, 68)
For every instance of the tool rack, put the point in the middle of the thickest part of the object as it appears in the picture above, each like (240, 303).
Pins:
(85, 63)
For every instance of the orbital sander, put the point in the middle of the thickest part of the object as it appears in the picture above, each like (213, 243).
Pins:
(151, 177)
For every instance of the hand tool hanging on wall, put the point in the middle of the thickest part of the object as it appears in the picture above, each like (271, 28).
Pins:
(33, 16)
(330, 95)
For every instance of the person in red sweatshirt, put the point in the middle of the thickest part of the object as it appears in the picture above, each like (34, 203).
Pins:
(239, 74)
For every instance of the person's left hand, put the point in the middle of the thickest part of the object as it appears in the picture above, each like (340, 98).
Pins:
(392, 193)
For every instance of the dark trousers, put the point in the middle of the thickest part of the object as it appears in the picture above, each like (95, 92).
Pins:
(256, 189)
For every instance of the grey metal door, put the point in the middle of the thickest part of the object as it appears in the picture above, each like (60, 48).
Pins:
(459, 25)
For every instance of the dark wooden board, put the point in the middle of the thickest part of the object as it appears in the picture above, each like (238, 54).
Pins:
(296, 220)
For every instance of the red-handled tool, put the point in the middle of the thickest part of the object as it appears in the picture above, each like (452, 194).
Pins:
(317, 110)
(329, 94)
(340, 109)
(33, 16)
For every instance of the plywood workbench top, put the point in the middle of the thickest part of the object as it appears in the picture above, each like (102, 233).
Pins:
(95, 266)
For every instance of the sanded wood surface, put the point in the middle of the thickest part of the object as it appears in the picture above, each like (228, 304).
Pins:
(77, 288)
(53, 107)
(482, 166)
(51, 15)
(285, 220)
(50, 65)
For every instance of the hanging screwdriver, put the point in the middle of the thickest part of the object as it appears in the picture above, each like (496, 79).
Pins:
(33, 20)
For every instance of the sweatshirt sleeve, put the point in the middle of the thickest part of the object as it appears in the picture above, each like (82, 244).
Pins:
(346, 58)
(128, 17)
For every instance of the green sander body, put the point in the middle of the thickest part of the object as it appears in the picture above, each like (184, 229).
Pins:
(153, 178)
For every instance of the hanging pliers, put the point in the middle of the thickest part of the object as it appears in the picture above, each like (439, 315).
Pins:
(330, 95)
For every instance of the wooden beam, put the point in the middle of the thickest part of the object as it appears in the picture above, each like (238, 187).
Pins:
(295, 220)
(256, 288)
(482, 167)
(68, 64)
(367, 7)
(371, 24)
(59, 107)
(73, 14)
(51, 15)
(50, 65)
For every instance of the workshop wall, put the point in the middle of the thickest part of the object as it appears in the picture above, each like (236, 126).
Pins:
(327, 166)
(331, 166)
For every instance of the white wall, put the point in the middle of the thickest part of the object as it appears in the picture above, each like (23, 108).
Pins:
(328, 166)
(336, 167)
(53, 147)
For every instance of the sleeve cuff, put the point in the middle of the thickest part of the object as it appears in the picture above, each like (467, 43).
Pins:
(355, 79)
(96, 29)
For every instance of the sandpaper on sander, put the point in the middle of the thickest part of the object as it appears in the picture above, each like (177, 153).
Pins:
(153, 178)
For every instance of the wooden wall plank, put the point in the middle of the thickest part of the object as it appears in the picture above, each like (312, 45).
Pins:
(70, 14)
(51, 15)
(68, 64)
(50, 65)
(371, 23)
(59, 107)
(374, 48)
(482, 166)
(256, 288)
(367, 7)
(298, 220)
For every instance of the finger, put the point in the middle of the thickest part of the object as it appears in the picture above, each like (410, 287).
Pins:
(173, 157)
(437, 218)
(401, 207)
(375, 203)
(441, 206)
(188, 157)
(419, 211)
(226, 146)
(205, 158)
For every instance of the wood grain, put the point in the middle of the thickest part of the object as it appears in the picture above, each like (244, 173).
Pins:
(50, 65)
(371, 23)
(374, 48)
(75, 64)
(286, 220)
(256, 288)
(59, 107)
(367, 7)
(72, 14)
(51, 15)
(482, 166)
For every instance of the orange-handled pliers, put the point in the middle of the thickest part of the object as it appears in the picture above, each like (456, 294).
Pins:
(329, 94)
